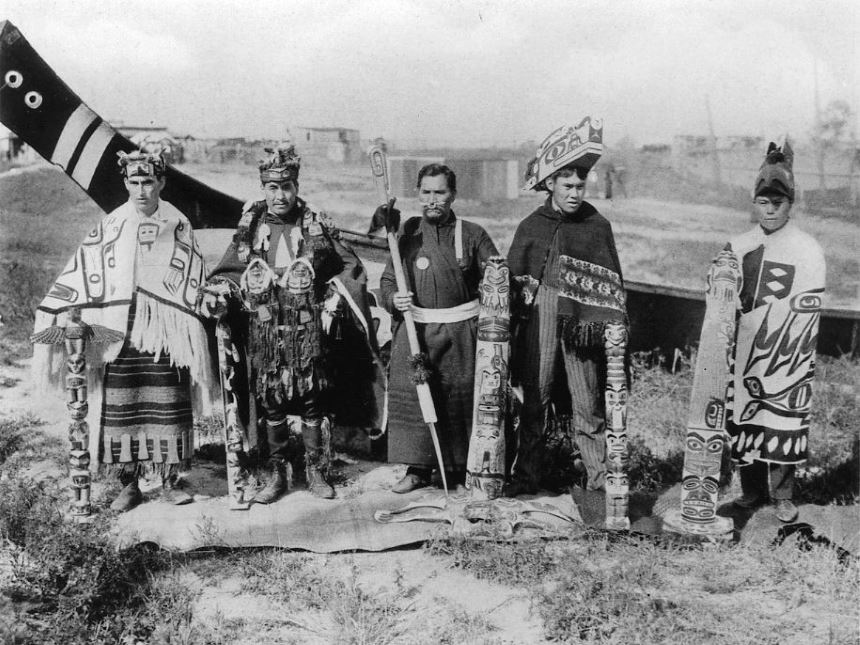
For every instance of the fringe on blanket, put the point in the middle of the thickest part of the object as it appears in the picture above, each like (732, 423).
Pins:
(575, 333)
(160, 328)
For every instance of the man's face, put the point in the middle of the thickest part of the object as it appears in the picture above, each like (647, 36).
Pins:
(773, 211)
(435, 197)
(144, 192)
(280, 196)
(566, 192)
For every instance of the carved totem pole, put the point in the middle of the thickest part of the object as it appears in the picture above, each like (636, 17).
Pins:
(234, 433)
(74, 336)
(617, 486)
(706, 434)
(485, 464)
(78, 407)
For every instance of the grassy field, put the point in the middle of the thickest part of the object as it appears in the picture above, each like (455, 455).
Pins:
(64, 583)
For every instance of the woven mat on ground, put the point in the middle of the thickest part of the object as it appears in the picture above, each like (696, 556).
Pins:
(837, 525)
(301, 521)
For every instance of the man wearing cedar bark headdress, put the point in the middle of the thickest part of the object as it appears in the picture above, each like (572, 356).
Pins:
(298, 297)
(133, 284)
(443, 260)
(566, 286)
(772, 372)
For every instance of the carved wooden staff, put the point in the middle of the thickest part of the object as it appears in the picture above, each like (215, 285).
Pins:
(234, 434)
(617, 486)
(485, 464)
(379, 167)
(706, 436)
(74, 336)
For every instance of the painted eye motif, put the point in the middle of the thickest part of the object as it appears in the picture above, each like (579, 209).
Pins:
(32, 100)
(14, 79)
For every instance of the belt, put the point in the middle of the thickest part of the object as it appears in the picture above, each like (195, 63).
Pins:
(459, 313)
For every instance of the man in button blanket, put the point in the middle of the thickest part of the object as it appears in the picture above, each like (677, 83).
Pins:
(135, 280)
(774, 360)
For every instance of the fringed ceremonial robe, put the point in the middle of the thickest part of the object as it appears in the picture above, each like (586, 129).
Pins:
(774, 359)
(587, 273)
(439, 281)
(348, 373)
(566, 285)
(138, 276)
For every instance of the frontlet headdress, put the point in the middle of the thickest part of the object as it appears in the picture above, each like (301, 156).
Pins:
(141, 163)
(282, 164)
(577, 147)
(775, 174)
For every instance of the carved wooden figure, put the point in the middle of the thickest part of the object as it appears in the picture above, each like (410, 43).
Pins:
(485, 465)
(234, 433)
(617, 488)
(76, 403)
(74, 335)
(706, 436)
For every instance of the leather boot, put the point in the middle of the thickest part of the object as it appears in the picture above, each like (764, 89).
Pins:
(128, 498)
(317, 484)
(276, 484)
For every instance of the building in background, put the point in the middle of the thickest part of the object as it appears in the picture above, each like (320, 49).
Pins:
(341, 145)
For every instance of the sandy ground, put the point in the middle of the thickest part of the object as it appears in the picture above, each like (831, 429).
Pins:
(436, 591)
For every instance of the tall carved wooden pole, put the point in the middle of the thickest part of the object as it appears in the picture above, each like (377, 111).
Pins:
(617, 483)
(706, 435)
(234, 434)
(74, 336)
(76, 402)
(485, 464)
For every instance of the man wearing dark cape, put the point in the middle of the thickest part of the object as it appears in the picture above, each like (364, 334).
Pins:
(297, 298)
(566, 286)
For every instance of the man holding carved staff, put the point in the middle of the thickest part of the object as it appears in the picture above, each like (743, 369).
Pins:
(566, 288)
(443, 259)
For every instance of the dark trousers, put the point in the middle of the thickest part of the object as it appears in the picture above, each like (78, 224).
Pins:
(762, 479)
(545, 361)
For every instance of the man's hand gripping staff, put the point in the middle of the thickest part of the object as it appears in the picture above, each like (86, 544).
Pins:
(403, 299)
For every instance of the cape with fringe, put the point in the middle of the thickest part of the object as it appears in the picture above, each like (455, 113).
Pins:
(151, 260)
(591, 290)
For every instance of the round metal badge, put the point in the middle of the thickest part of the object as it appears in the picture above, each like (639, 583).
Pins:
(422, 263)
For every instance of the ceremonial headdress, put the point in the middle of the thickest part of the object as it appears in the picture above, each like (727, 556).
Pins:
(775, 174)
(282, 164)
(575, 146)
(141, 163)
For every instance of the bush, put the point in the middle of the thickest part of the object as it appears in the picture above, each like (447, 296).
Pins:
(69, 584)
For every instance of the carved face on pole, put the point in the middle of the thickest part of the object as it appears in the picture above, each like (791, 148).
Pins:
(617, 492)
(495, 287)
(616, 448)
(704, 452)
(725, 269)
(616, 405)
(699, 498)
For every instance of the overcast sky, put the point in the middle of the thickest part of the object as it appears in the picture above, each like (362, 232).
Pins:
(449, 71)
